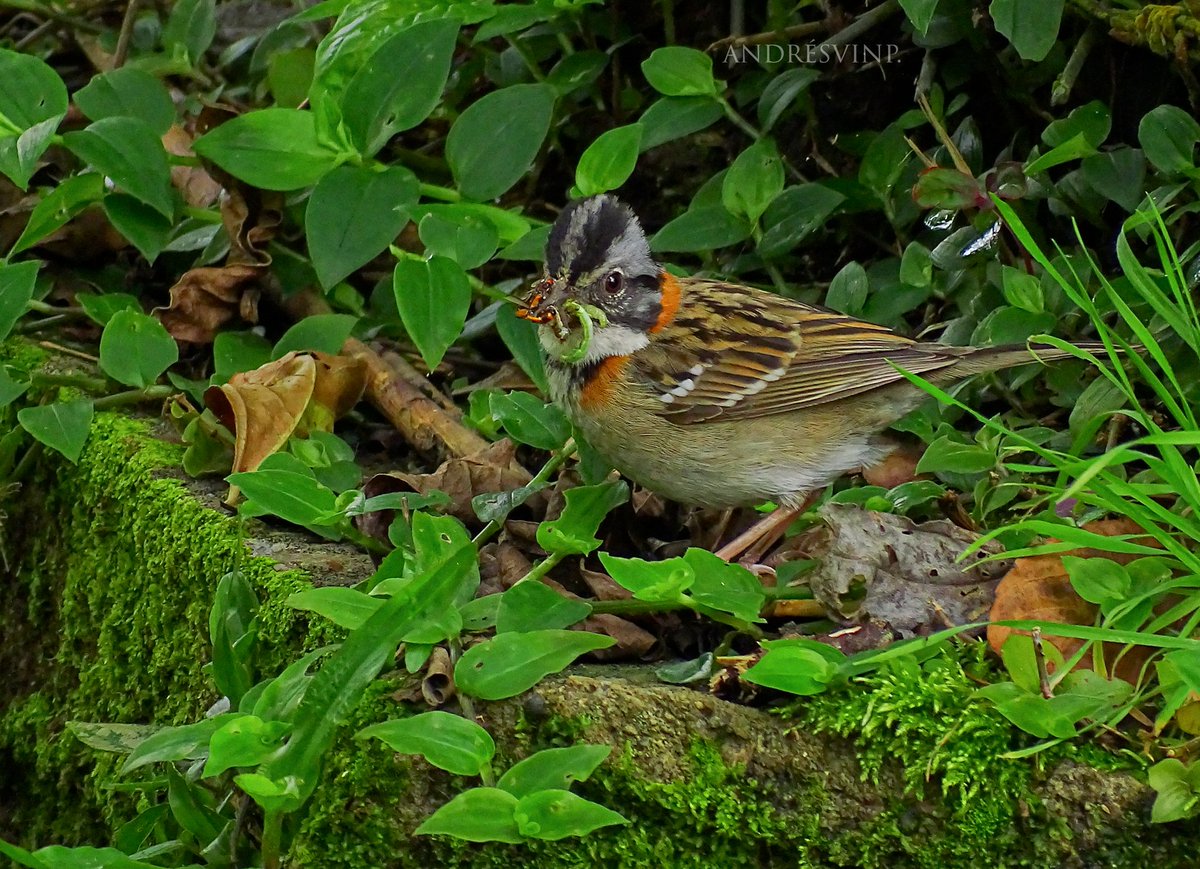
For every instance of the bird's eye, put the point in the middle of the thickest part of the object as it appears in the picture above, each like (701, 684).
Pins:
(614, 282)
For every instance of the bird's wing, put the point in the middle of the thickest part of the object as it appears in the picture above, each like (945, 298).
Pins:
(753, 354)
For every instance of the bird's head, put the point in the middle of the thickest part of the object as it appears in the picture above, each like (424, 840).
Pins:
(597, 258)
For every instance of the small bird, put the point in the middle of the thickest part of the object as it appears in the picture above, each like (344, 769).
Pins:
(715, 394)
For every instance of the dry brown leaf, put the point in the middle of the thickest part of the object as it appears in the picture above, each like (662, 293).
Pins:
(490, 470)
(885, 569)
(263, 407)
(198, 188)
(205, 299)
(266, 406)
(251, 218)
(437, 686)
(603, 586)
(632, 642)
(899, 467)
(1038, 587)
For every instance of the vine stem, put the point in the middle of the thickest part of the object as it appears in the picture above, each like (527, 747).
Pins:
(272, 838)
(555, 462)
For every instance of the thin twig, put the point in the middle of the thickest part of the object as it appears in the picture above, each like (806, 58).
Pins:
(1039, 655)
(122, 53)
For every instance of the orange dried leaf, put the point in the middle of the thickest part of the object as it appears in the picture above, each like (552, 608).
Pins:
(263, 407)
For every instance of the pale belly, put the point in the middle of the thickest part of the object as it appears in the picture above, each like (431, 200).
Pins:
(724, 464)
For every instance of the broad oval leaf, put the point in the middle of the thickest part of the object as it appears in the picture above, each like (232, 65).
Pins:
(676, 71)
(127, 92)
(401, 83)
(33, 99)
(671, 118)
(296, 498)
(129, 152)
(433, 297)
(477, 815)
(510, 664)
(16, 289)
(449, 742)
(135, 349)
(494, 142)
(698, 229)
(61, 425)
(553, 768)
(353, 214)
(275, 149)
(345, 607)
(557, 814)
(609, 161)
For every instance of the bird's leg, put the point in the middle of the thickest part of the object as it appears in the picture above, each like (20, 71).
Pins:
(760, 536)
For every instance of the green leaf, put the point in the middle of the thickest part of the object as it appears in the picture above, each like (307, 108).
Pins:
(657, 581)
(948, 455)
(884, 160)
(145, 227)
(129, 152)
(433, 297)
(17, 281)
(577, 70)
(510, 664)
(477, 815)
(1030, 25)
(573, 533)
(700, 229)
(1119, 175)
(10, 389)
(1097, 399)
(353, 214)
(275, 149)
(345, 607)
(190, 29)
(494, 142)
(553, 768)
(1169, 135)
(466, 238)
(1007, 325)
(244, 741)
(238, 351)
(798, 666)
(531, 606)
(480, 614)
(293, 497)
(119, 738)
(186, 742)
(530, 420)
(338, 686)
(609, 161)
(780, 92)
(401, 83)
(102, 306)
(272, 795)
(1092, 121)
(848, 290)
(449, 742)
(723, 586)
(233, 632)
(1072, 149)
(795, 214)
(557, 814)
(1098, 580)
(33, 99)
(61, 204)
(127, 92)
(919, 13)
(916, 268)
(135, 349)
(671, 118)
(325, 333)
(1178, 790)
(753, 181)
(675, 71)
(62, 425)
(520, 337)
(1022, 290)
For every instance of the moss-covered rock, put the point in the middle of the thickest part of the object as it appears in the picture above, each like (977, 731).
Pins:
(109, 573)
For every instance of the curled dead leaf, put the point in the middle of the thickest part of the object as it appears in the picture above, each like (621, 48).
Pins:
(195, 185)
(633, 643)
(205, 299)
(437, 686)
(266, 406)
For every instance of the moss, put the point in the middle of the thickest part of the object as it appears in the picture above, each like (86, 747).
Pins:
(94, 632)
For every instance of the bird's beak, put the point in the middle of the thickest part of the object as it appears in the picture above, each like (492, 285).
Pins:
(544, 303)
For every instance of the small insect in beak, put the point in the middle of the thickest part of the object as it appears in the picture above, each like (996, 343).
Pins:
(535, 311)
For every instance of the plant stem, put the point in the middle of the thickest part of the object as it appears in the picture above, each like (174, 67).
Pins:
(444, 194)
(555, 462)
(271, 839)
(133, 396)
(542, 567)
(527, 56)
(73, 381)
